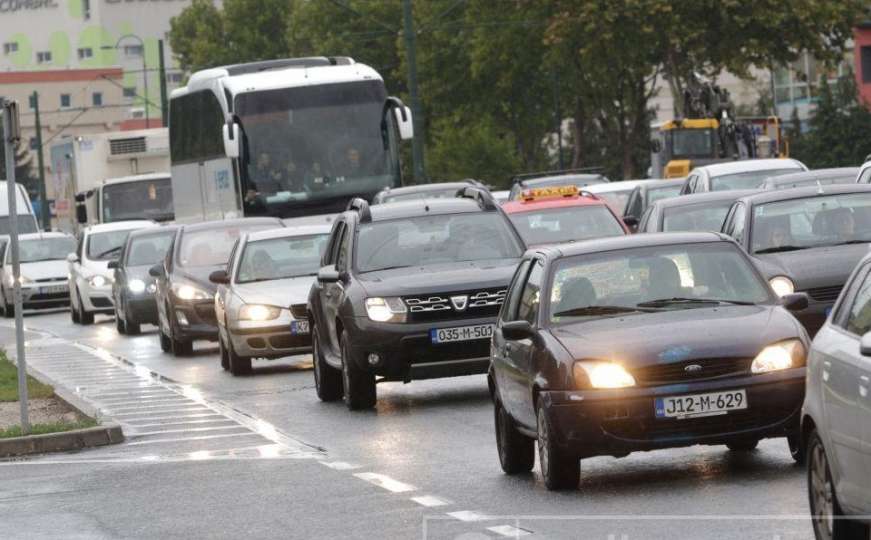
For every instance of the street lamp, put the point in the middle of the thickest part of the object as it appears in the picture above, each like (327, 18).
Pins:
(144, 67)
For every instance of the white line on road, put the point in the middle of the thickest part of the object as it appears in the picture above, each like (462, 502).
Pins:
(509, 531)
(430, 501)
(468, 515)
(339, 465)
(203, 438)
(188, 430)
(384, 481)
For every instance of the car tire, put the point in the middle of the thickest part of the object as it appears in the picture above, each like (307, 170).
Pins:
(179, 347)
(516, 451)
(328, 380)
(827, 517)
(165, 342)
(239, 365)
(559, 469)
(119, 323)
(742, 446)
(796, 448)
(74, 313)
(225, 357)
(84, 316)
(358, 385)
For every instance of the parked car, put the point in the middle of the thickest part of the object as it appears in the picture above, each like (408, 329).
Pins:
(261, 300)
(422, 191)
(185, 297)
(805, 239)
(813, 177)
(836, 421)
(133, 289)
(641, 342)
(742, 174)
(646, 194)
(90, 280)
(616, 194)
(697, 212)
(42, 272)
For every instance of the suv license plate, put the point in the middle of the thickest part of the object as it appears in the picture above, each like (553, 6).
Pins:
(461, 333)
(701, 404)
(299, 327)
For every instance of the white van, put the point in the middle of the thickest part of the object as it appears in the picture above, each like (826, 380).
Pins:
(26, 217)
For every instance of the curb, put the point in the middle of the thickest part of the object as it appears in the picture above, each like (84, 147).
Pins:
(61, 442)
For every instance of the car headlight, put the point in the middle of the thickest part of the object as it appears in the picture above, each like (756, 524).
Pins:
(782, 285)
(136, 286)
(256, 312)
(22, 280)
(189, 292)
(98, 281)
(386, 309)
(603, 374)
(783, 355)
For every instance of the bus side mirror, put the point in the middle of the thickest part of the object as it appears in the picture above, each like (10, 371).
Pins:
(231, 139)
(403, 122)
(81, 213)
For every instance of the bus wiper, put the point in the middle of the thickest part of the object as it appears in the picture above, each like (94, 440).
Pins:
(598, 310)
(681, 300)
(780, 249)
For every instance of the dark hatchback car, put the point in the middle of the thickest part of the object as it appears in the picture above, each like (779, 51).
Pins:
(133, 289)
(642, 342)
(185, 296)
(805, 239)
(422, 191)
(699, 212)
(645, 195)
(556, 178)
(409, 291)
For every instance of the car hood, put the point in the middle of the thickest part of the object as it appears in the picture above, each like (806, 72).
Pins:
(44, 269)
(200, 276)
(680, 335)
(439, 278)
(276, 292)
(814, 267)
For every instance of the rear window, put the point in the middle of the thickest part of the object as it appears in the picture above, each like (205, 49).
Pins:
(745, 180)
(212, 247)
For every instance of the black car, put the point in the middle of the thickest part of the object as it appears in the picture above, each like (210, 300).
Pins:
(422, 191)
(645, 195)
(641, 342)
(814, 177)
(133, 287)
(805, 239)
(185, 296)
(409, 291)
(698, 212)
(579, 179)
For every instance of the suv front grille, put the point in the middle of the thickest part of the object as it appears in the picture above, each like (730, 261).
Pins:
(825, 294)
(678, 372)
(461, 304)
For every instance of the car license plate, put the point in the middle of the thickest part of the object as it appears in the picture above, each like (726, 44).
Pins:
(54, 289)
(299, 327)
(461, 333)
(710, 404)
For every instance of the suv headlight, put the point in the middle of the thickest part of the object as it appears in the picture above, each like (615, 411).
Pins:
(189, 292)
(603, 374)
(256, 312)
(136, 286)
(386, 309)
(782, 285)
(783, 355)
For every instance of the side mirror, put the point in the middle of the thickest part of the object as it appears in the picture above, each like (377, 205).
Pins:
(865, 345)
(518, 330)
(404, 123)
(72, 257)
(794, 301)
(631, 222)
(231, 139)
(328, 274)
(220, 277)
(114, 264)
(156, 271)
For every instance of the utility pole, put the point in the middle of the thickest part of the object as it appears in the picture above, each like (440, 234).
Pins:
(11, 135)
(416, 109)
(44, 211)
(161, 71)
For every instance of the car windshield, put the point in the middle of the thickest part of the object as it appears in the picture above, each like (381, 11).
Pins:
(567, 224)
(746, 180)
(45, 249)
(445, 193)
(148, 250)
(811, 222)
(655, 278)
(696, 217)
(142, 199)
(434, 239)
(663, 192)
(103, 246)
(616, 199)
(280, 258)
(212, 247)
(26, 224)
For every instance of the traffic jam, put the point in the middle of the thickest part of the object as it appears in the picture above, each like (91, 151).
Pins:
(604, 318)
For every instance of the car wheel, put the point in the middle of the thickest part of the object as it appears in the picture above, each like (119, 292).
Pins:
(165, 343)
(796, 449)
(559, 469)
(84, 316)
(119, 323)
(74, 313)
(179, 347)
(328, 380)
(238, 364)
(225, 357)
(826, 514)
(516, 451)
(358, 385)
(742, 446)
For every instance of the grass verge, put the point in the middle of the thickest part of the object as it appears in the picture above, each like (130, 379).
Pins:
(9, 383)
(54, 427)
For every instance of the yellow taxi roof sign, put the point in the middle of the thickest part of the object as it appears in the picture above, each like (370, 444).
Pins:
(551, 192)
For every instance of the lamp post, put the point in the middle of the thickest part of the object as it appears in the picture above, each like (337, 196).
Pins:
(144, 68)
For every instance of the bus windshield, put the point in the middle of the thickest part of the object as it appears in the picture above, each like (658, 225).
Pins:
(140, 199)
(312, 144)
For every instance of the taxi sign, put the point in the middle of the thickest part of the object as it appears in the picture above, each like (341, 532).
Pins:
(553, 192)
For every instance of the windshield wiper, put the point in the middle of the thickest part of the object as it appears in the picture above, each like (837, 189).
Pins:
(849, 242)
(387, 268)
(598, 310)
(779, 249)
(108, 251)
(681, 300)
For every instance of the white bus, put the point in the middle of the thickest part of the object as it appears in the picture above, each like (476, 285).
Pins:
(285, 138)
(141, 196)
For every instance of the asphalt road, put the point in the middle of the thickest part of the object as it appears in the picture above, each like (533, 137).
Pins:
(281, 464)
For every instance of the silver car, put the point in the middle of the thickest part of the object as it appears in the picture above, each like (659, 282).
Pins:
(261, 300)
(43, 271)
(836, 419)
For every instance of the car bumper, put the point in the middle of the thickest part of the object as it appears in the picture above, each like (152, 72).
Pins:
(96, 299)
(406, 351)
(141, 309)
(195, 320)
(43, 295)
(616, 422)
(270, 342)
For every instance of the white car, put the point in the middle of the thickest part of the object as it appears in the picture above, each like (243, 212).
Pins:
(616, 194)
(741, 174)
(43, 271)
(90, 279)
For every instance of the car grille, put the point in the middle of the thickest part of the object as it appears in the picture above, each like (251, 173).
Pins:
(711, 368)
(481, 303)
(100, 302)
(50, 279)
(825, 294)
(53, 297)
(299, 311)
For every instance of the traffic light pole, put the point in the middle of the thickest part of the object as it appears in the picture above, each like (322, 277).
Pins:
(44, 211)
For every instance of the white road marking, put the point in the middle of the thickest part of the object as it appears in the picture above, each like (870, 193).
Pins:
(509, 531)
(188, 430)
(468, 515)
(384, 481)
(339, 465)
(202, 438)
(430, 501)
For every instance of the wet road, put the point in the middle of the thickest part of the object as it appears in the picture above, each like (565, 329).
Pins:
(422, 464)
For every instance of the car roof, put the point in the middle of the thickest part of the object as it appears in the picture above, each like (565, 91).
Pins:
(519, 205)
(656, 184)
(120, 226)
(621, 185)
(710, 196)
(423, 188)
(750, 165)
(289, 232)
(422, 207)
(152, 231)
(229, 223)
(613, 243)
(805, 192)
(563, 179)
(41, 235)
(813, 174)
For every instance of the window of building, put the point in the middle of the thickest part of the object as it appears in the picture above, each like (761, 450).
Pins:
(11, 47)
(85, 52)
(799, 81)
(66, 100)
(132, 50)
(31, 101)
(174, 78)
(130, 91)
(43, 57)
(865, 58)
(97, 99)
(86, 9)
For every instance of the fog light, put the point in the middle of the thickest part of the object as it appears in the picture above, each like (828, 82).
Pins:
(181, 318)
(374, 359)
